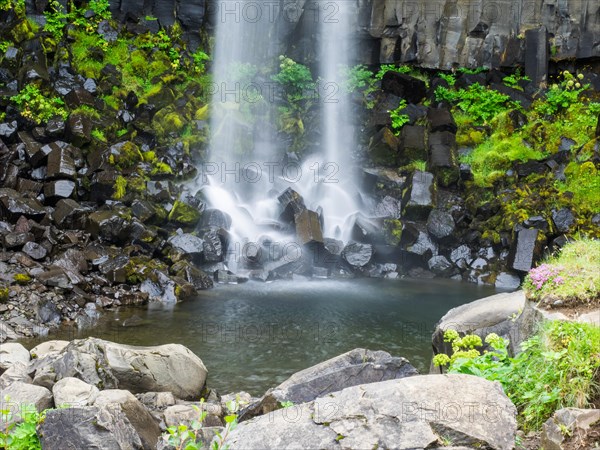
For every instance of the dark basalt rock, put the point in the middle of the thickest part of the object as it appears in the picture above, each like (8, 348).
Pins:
(215, 218)
(13, 206)
(525, 250)
(442, 157)
(383, 148)
(59, 189)
(440, 224)
(17, 240)
(440, 265)
(187, 244)
(8, 131)
(78, 97)
(103, 186)
(563, 220)
(79, 129)
(388, 208)
(292, 204)
(357, 255)
(308, 228)
(68, 214)
(34, 251)
(468, 79)
(115, 268)
(441, 119)
(109, 226)
(404, 86)
(412, 145)
(419, 199)
(196, 277)
(537, 222)
(61, 163)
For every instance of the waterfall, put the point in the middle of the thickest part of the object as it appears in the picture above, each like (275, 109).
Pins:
(245, 173)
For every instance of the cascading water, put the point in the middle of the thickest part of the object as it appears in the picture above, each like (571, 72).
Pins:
(245, 174)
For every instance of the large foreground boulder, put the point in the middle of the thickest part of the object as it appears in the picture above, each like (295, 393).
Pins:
(415, 412)
(495, 314)
(165, 368)
(358, 366)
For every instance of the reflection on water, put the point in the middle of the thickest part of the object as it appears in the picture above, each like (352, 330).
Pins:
(253, 336)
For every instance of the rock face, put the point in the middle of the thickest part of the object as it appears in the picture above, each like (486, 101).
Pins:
(358, 366)
(413, 412)
(576, 421)
(166, 368)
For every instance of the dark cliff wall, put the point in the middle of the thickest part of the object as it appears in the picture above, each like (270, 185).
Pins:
(438, 34)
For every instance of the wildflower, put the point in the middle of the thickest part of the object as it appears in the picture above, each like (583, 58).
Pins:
(580, 76)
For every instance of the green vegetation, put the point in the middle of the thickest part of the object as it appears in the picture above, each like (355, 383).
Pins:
(557, 368)
(562, 95)
(21, 436)
(296, 79)
(572, 276)
(399, 119)
(21, 278)
(34, 105)
(184, 437)
(479, 102)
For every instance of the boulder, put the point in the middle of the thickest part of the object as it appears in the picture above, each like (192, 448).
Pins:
(356, 367)
(17, 372)
(440, 224)
(442, 157)
(409, 413)
(166, 368)
(495, 314)
(507, 281)
(74, 392)
(89, 427)
(383, 148)
(11, 353)
(59, 189)
(214, 248)
(108, 225)
(412, 144)
(145, 425)
(68, 214)
(185, 414)
(34, 251)
(563, 220)
(525, 250)
(401, 85)
(441, 119)
(187, 244)
(46, 348)
(61, 163)
(419, 198)
(308, 227)
(19, 396)
(13, 206)
(357, 255)
(440, 265)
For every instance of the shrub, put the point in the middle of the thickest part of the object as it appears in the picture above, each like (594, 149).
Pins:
(562, 95)
(21, 436)
(34, 105)
(399, 119)
(295, 78)
(557, 368)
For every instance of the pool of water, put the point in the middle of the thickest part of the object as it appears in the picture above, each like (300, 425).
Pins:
(253, 336)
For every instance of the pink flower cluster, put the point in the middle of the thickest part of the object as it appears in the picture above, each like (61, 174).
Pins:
(544, 273)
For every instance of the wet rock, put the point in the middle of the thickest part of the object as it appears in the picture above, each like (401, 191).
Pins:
(291, 203)
(79, 129)
(463, 253)
(165, 368)
(192, 275)
(367, 416)
(422, 245)
(357, 255)
(143, 210)
(68, 214)
(213, 248)
(109, 226)
(389, 208)
(419, 199)
(115, 268)
(441, 119)
(525, 250)
(383, 148)
(537, 222)
(47, 312)
(188, 244)
(13, 206)
(74, 392)
(61, 163)
(308, 228)
(440, 224)
(102, 186)
(34, 251)
(29, 186)
(59, 189)
(536, 55)
(412, 145)
(215, 218)
(8, 130)
(440, 265)
(78, 97)
(55, 277)
(563, 220)
(11, 353)
(356, 367)
(404, 86)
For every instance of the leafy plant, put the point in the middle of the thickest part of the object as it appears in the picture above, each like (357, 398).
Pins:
(563, 94)
(515, 79)
(450, 78)
(557, 368)
(295, 78)
(56, 19)
(33, 105)
(23, 435)
(399, 119)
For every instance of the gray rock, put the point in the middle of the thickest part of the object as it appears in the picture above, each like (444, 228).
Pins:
(142, 421)
(18, 396)
(357, 255)
(34, 251)
(106, 428)
(526, 249)
(440, 265)
(74, 392)
(440, 224)
(576, 421)
(308, 227)
(11, 353)
(46, 348)
(409, 413)
(166, 368)
(419, 199)
(358, 366)
(17, 372)
(187, 244)
(186, 414)
(495, 314)
(563, 220)
(462, 252)
(507, 281)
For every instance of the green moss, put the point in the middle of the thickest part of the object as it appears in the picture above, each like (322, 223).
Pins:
(3, 293)
(583, 181)
(161, 168)
(184, 214)
(24, 31)
(137, 184)
(393, 231)
(141, 268)
(120, 188)
(127, 156)
(22, 278)
(87, 111)
(167, 121)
